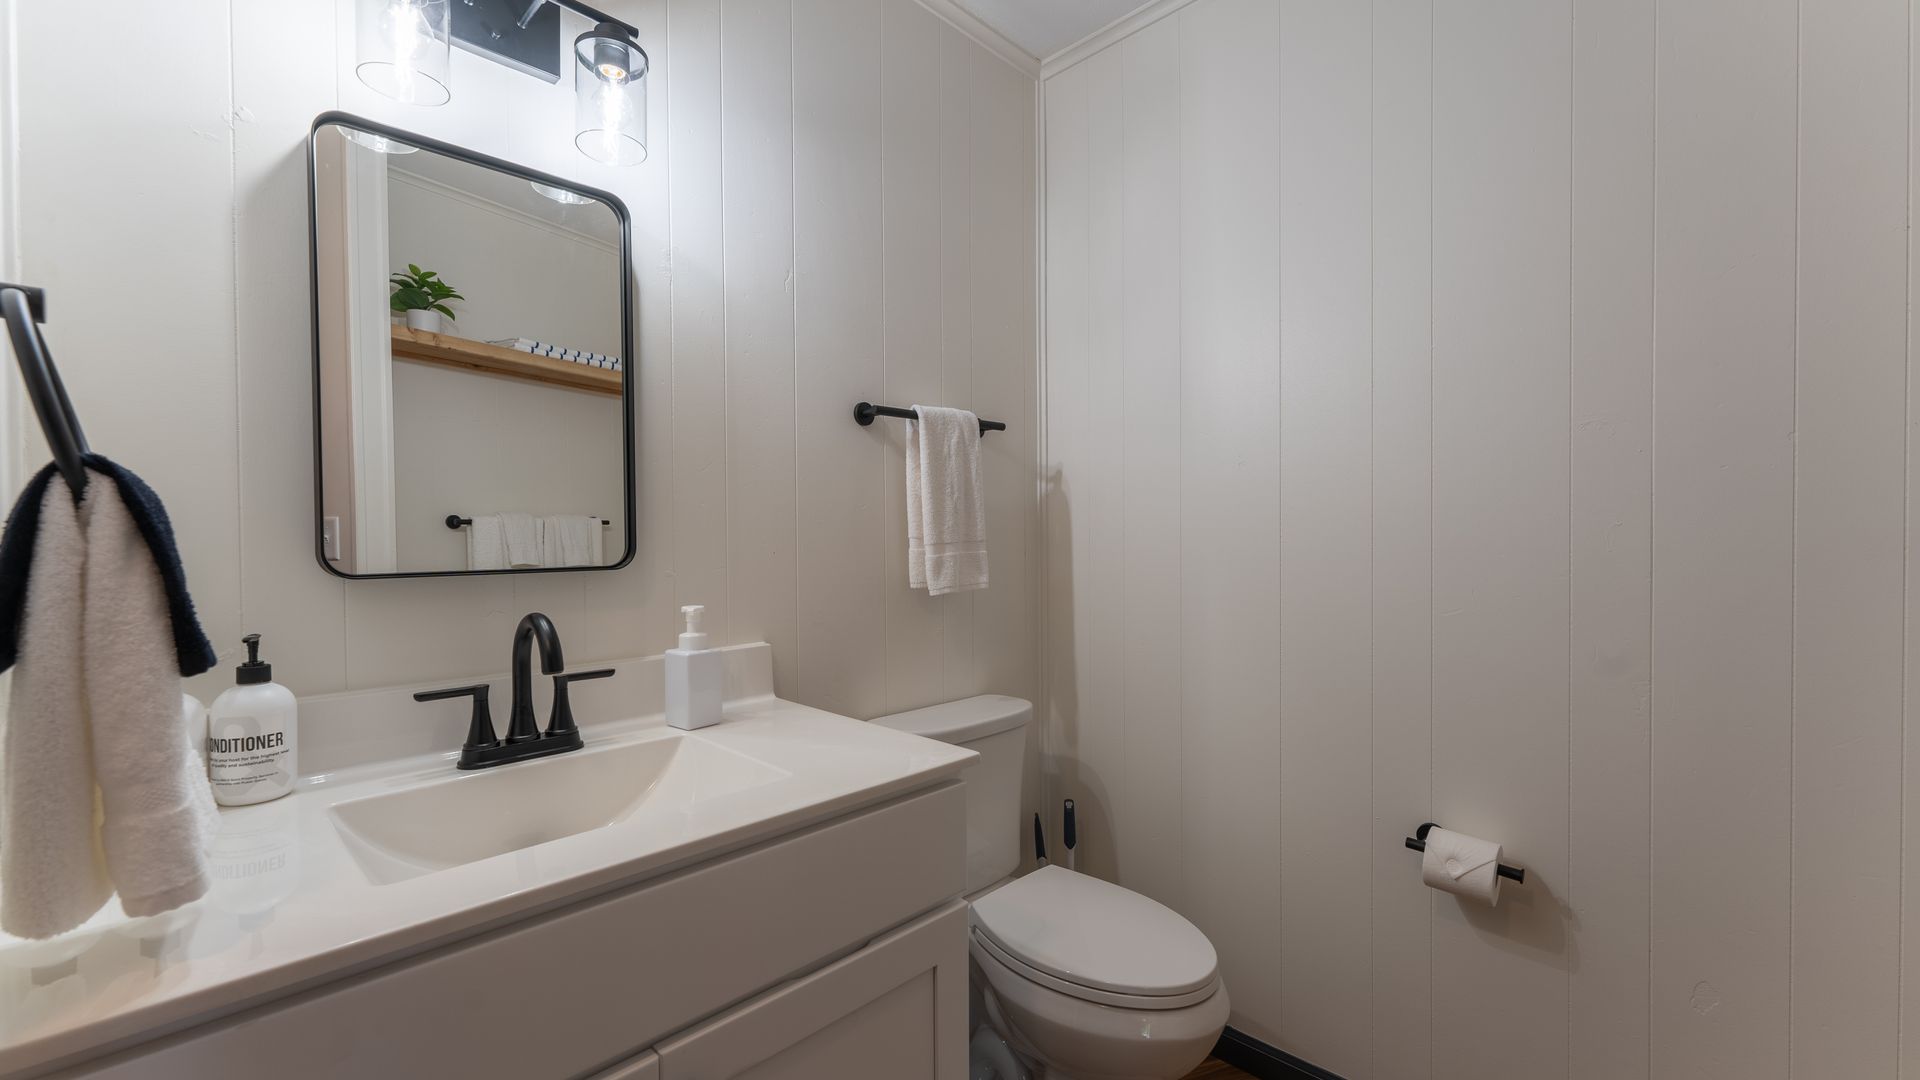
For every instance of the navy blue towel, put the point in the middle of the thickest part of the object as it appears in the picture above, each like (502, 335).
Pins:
(190, 643)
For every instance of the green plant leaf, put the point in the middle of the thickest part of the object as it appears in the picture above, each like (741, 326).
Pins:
(444, 310)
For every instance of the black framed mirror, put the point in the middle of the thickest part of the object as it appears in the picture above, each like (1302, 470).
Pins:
(473, 358)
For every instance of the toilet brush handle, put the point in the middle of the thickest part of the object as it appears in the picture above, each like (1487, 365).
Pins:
(1071, 832)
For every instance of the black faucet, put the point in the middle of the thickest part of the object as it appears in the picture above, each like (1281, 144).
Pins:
(520, 725)
(525, 740)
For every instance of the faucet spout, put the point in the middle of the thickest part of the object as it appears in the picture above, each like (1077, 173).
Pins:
(521, 726)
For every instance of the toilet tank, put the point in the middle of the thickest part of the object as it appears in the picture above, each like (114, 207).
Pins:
(995, 727)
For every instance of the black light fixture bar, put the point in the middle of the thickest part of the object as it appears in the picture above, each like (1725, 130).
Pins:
(592, 14)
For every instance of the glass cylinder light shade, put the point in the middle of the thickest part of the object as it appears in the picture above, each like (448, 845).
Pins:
(403, 49)
(610, 97)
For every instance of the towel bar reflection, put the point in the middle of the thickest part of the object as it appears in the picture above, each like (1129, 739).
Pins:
(864, 413)
(455, 521)
(1511, 873)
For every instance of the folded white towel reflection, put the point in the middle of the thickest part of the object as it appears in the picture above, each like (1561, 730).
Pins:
(571, 540)
(946, 510)
(1463, 865)
(487, 543)
(522, 538)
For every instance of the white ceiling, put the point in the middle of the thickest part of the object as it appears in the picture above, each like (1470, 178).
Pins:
(1044, 27)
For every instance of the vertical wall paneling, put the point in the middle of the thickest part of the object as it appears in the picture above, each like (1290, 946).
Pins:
(274, 381)
(1610, 653)
(1910, 745)
(756, 116)
(954, 98)
(1003, 335)
(1723, 543)
(1500, 384)
(910, 200)
(1229, 402)
(1402, 521)
(1099, 602)
(1069, 314)
(1149, 811)
(76, 215)
(1849, 483)
(1594, 455)
(636, 611)
(1326, 525)
(696, 187)
(837, 351)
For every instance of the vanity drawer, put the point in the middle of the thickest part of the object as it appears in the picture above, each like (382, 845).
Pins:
(895, 1010)
(578, 989)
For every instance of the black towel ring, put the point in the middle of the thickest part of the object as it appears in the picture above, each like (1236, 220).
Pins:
(22, 306)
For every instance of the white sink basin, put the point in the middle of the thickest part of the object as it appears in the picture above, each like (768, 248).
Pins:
(460, 819)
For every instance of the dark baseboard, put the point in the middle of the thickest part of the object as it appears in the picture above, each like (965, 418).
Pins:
(1250, 1055)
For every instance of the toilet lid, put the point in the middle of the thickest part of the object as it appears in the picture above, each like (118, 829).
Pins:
(1096, 934)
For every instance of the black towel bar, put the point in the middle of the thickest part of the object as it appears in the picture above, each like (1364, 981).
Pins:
(1511, 873)
(22, 306)
(455, 521)
(864, 413)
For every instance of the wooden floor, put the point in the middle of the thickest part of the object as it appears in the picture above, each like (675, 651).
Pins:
(1214, 1069)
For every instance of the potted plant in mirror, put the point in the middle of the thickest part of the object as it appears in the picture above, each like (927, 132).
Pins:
(422, 297)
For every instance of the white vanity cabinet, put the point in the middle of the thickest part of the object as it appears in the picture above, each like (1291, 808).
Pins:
(837, 950)
(885, 1013)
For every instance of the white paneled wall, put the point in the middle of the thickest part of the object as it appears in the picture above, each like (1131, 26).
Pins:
(1497, 413)
(840, 206)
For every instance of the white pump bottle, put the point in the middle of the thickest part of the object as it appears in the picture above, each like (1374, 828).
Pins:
(696, 677)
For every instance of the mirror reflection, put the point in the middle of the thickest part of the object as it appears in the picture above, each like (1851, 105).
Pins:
(471, 343)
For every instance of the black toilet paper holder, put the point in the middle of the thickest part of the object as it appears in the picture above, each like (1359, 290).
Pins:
(1418, 842)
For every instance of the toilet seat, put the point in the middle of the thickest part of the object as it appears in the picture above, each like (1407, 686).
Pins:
(1096, 941)
(984, 944)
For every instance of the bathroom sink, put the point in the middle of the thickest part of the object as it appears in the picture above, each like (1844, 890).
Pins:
(396, 835)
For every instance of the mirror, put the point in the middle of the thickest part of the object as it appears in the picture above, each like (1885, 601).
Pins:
(473, 354)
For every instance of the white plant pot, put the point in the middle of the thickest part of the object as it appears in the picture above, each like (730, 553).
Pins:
(431, 321)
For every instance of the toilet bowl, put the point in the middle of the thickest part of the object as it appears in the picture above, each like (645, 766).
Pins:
(1091, 981)
(1082, 979)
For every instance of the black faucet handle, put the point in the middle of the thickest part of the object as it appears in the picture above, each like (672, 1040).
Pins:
(561, 722)
(480, 733)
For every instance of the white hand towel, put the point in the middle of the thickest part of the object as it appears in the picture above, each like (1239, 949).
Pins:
(487, 543)
(946, 513)
(522, 540)
(95, 712)
(569, 539)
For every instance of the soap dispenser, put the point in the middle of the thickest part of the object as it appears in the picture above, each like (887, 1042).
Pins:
(250, 735)
(695, 677)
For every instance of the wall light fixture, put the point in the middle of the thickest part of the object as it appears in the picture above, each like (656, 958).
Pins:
(403, 54)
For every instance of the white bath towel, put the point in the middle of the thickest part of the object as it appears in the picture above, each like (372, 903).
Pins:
(571, 540)
(946, 510)
(486, 543)
(104, 790)
(522, 540)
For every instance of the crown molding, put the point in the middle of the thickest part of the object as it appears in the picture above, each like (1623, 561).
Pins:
(1126, 25)
(481, 202)
(985, 36)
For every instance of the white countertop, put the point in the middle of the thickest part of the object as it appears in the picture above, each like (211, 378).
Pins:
(291, 909)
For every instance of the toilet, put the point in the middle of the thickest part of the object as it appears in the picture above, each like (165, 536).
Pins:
(1083, 979)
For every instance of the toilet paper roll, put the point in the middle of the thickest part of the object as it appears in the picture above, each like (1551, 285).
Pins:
(1463, 865)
